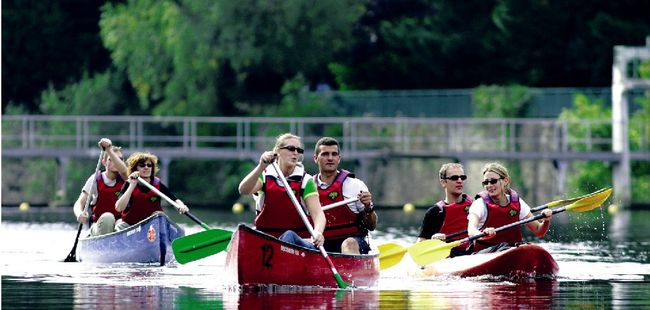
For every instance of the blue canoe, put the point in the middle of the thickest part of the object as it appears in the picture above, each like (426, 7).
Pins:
(147, 242)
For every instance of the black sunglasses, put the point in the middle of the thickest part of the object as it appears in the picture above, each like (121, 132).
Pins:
(292, 148)
(456, 177)
(491, 181)
(142, 165)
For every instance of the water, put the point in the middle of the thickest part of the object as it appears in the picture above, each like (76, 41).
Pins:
(604, 263)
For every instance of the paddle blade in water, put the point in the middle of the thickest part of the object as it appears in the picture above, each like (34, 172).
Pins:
(590, 203)
(340, 282)
(430, 251)
(200, 245)
(390, 254)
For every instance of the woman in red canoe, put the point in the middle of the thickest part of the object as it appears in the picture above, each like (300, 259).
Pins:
(499, 205)
(276, 214)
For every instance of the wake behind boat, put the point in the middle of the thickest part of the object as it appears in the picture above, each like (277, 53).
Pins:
(148, 241)
(524, 261)
(255, 258)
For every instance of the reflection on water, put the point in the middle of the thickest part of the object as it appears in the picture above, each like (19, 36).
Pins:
(604, 263)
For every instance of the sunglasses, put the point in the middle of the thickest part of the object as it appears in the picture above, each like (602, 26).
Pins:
(292, 148)
(490, 181)
(456, 177)
(142, 165)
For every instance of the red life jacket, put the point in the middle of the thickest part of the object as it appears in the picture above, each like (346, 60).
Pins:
(341, 221)
(141, 204)
(107, 197)
(498, 216)
(455, 219)
(278, 213)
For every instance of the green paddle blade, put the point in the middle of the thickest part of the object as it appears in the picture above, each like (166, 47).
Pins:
(432, 250)
(590, 203)
(390, 254)
(200, 245)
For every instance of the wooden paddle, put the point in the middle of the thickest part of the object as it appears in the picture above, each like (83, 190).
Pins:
(391, 254)
(72, 256)
(426, 253)
(336, 274)
(196, 246)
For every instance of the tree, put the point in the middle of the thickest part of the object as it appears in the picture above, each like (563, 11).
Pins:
(462, 44)
(185, 57)
(48, 42)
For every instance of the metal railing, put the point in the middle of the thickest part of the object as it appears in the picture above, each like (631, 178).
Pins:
(367, 137)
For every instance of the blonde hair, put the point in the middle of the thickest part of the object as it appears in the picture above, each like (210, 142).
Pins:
(443, 170)
(498, 169)
(280, 142)
(281, 139)
(142, 157)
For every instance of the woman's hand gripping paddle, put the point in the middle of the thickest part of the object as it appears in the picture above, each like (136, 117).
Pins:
(199, 245)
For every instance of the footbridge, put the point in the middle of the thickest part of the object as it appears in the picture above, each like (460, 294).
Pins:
(363, 138)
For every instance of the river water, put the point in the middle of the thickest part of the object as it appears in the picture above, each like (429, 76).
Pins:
(604, 263)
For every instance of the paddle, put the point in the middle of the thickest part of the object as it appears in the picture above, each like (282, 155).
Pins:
(426, 253)
(72, 256)
(391, 253)
(199, 245)
(340, 203)
(336, 274)
(542, 207)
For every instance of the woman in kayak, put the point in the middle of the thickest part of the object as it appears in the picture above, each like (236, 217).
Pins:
(276, 214)
(137, 202)
(448, 216)
(499, 205)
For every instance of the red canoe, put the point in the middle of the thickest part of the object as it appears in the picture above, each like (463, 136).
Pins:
(255, 258)
(525, 261)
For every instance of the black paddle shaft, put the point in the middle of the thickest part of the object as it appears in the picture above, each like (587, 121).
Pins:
(72, 256)
(456, 234)
(515, 224)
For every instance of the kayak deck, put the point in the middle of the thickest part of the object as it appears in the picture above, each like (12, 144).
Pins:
(524, 261)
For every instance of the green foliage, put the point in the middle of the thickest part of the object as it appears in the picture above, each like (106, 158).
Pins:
(196, 57)
(217, 188)
(580, 127)
(48, 42)
(102, 94)
(644, 69)
(419, 44)
(501, 101)
(639, 128)
(32, 180)
(588, 176)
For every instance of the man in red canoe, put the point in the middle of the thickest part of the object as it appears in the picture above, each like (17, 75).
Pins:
(348, 225)
(447, 219)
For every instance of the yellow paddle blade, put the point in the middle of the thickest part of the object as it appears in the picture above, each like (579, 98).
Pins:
(390, 254)
(589, 203)
(572, 200)
(430, 251)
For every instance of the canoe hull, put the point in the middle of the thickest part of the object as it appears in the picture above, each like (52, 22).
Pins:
(255, 258)
(147, 242)
(525, 261)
